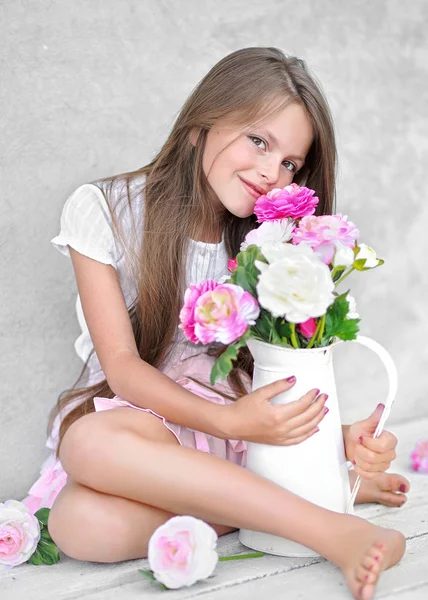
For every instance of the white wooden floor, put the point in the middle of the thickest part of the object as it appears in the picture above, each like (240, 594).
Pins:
(269, 577)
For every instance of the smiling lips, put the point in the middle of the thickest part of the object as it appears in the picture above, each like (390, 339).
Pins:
(252, 188)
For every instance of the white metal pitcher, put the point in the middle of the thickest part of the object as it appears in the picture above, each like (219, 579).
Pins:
(315, 469)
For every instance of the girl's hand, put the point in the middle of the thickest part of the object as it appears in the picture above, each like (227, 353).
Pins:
(254, 419)
(370, 456)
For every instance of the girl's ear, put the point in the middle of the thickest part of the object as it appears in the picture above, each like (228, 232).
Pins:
(194, 135)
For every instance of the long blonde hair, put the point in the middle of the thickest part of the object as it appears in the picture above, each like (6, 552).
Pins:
(178, 199)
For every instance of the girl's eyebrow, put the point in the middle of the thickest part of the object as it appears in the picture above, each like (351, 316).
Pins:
(275, 142)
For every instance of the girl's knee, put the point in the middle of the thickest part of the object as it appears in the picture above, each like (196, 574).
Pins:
(80, 441)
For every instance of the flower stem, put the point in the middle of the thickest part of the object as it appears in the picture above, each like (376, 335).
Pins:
(239, 556)
(344, 276)
(293, 338)
(321, 329)
(314, 337)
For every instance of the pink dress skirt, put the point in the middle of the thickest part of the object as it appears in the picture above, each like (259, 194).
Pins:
(53, 477)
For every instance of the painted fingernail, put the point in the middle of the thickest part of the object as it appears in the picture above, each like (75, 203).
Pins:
(402, 488)
(317, 392)
(379, 406)
(326, 410)
(360, 439)
(326, 397)
(366, 577)
(353, 462)
(291, 379)
(377, 557)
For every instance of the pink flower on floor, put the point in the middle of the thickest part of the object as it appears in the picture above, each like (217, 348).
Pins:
(182, 552)
(308, 327)
(222, 313)
(232, 263)
(280, 203)
(19, 534)
(326, 233)
(419, 457)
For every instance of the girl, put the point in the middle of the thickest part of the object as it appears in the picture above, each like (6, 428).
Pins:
(147, 437)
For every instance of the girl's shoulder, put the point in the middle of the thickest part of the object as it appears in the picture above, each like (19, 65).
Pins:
(102, 218)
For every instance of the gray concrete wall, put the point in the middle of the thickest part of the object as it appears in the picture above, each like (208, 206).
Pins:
(89, 89)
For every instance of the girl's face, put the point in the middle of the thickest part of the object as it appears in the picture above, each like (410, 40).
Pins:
(242, 165)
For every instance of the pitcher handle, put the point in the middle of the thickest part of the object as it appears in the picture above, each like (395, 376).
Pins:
(391, 370)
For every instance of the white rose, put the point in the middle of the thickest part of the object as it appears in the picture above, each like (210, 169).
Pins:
(296, 284)
(182, 551)
(343, 256)
(352, 314)
(19, 534)
(269, 231)
(369, 254)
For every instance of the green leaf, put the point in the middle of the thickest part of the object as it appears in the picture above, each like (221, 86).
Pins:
(150, 577)
(35, 558)
(48, 552)
(336, 323)
(223, 365)
(339, 273)
(45, 535)
(243, 278)
(284, 329)
(43, 514)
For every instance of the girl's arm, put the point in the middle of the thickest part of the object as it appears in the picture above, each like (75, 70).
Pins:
(128, 376)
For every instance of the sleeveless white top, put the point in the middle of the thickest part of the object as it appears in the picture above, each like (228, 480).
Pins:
(86, 227)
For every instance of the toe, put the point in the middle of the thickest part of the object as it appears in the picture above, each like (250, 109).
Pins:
(392, 499)
(365, 592)
(365, 576)
(392, 482)
(371, 565)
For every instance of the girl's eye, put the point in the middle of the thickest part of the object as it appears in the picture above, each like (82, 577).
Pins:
(290, 166)
(253, 137)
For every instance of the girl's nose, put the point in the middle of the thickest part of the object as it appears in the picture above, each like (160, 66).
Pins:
(269, 172)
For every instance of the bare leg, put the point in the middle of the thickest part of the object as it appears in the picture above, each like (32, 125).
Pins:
(92, 526)
(117, 461)
(389, 489)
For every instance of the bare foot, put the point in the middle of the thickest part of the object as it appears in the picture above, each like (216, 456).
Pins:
(362, 550)
(389, 489)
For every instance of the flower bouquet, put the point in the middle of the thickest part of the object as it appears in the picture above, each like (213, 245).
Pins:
(282, 286)
(281, 300)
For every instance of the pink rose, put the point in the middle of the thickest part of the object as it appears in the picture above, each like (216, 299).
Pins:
(419, 457)
(292, 201)
(307, 328)
(187, 313)
(224, 314)
(232, 264)
(19, 533)
(182, 552)
(324, 233)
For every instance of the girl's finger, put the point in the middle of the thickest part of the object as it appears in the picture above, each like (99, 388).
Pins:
(299, 440)
(366, 474)
(309, 426)
(372, 467)
(385, 442)
(307, 412)
(370, 457)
